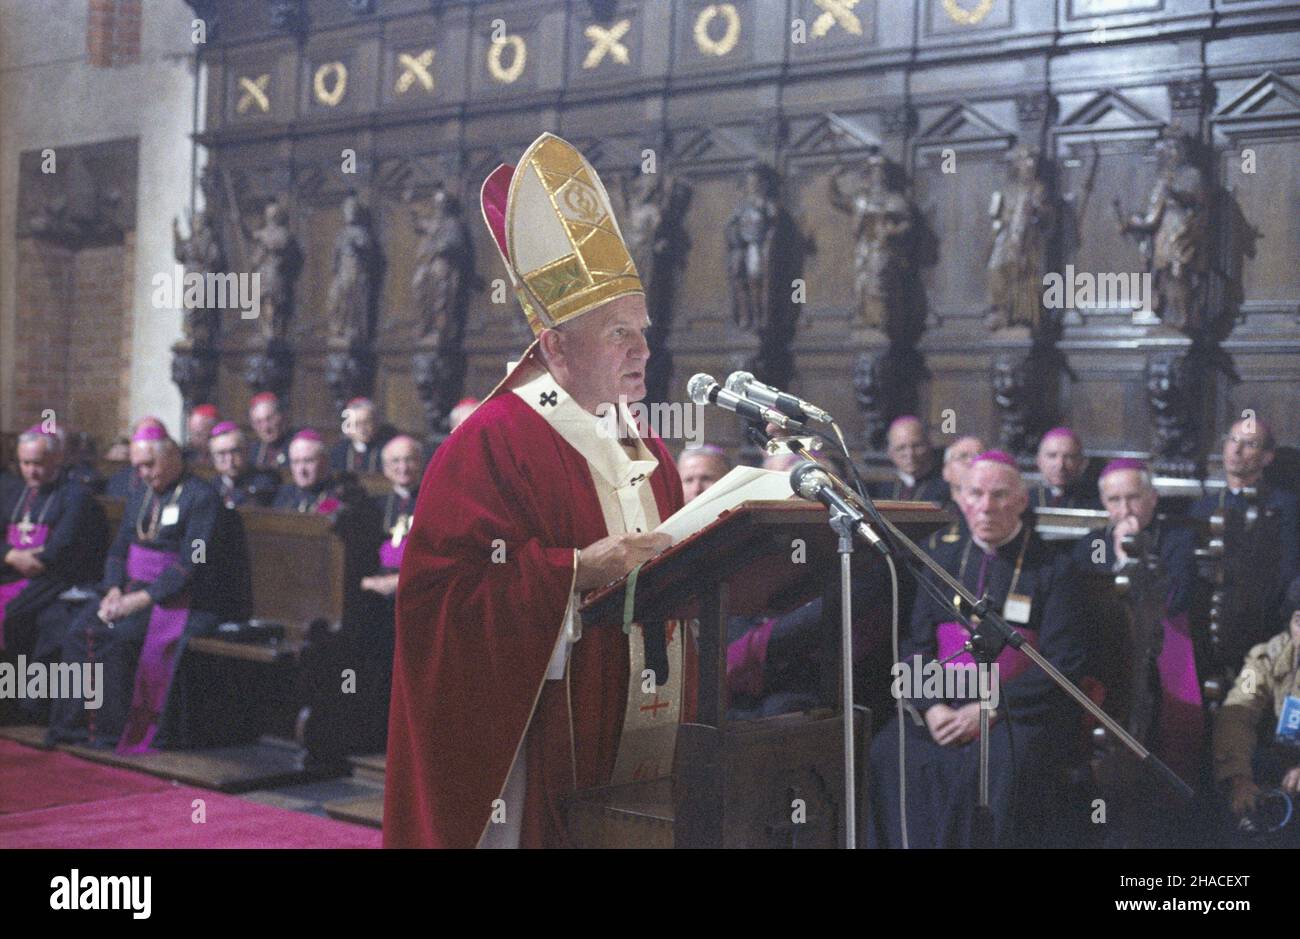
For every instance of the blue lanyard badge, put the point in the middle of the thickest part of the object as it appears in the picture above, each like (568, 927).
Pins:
(1288, 724)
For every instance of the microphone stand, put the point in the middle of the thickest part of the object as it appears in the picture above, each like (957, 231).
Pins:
(845, 526)
(989, 636)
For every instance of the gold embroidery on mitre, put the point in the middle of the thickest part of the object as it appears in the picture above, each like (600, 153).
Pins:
(566, 245)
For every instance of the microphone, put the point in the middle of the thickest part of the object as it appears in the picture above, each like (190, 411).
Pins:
(745, 385)
(812, 483)
(703, 389)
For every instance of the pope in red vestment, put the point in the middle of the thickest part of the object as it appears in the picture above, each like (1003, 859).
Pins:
(490, 684)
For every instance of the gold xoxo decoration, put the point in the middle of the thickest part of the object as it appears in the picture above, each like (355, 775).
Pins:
(706, 43)
(836, 11)
(330, 96)
(415, 68)
(507, 75)
(606, 41)
(960, 14)
(254, 94)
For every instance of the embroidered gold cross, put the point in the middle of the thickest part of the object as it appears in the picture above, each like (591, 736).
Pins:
(606, 42)
(836, 11)
(254, 94)
(415, 68)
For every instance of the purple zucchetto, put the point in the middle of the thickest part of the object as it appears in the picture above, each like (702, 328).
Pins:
(1123, 463)
(996, 456)
(149, 432)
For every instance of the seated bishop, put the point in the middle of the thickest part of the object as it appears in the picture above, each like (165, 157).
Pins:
(357, 721)
(313, 488)
(1037, 593)
(1130, 499)
(237, 482)
(1062, 464)
(918, 475)
(502, 703)
(54, 541)
(1261, 533)
(158, 588)
(272, 434)
(359, 449)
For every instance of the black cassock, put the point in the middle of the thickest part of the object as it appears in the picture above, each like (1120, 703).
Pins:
(1027, 742)
(1262, 557)
(1076, 496)
(188, 522)
(927, 488)
(66, 523)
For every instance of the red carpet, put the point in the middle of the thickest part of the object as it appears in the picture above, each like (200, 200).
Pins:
(53, 800)
(40, 779)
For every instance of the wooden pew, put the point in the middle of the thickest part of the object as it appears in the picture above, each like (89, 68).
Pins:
(298, 575)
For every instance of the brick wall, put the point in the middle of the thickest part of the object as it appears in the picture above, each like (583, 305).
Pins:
(113, 32)
(73, 335)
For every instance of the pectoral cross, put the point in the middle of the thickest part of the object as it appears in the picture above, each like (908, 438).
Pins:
(400, 528)
(25, 529)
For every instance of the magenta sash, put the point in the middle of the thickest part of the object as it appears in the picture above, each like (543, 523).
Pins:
(153, 675)
(745, 660)
(8, 591)
(1182, 722)
(390, 557)
(951, 637)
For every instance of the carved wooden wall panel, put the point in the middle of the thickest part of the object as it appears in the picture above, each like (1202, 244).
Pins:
(434, 94)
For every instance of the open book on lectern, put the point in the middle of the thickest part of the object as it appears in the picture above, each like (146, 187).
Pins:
(742, 484)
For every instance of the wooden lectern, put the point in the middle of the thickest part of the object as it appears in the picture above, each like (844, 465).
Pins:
(775, 782)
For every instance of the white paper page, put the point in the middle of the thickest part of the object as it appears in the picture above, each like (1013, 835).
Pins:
(742, 484)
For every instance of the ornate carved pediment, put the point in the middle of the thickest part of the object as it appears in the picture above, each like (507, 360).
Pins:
(1109, 108)
(962, 124)
(735, 144)
(1268, 96)
(831, 134)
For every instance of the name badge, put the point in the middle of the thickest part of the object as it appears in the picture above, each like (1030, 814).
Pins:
(171, 514)
(1017, 607)
(1288, 725)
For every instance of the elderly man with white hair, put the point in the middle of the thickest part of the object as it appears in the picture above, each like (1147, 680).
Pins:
(313, 488)
(158, 588)
(53, 540)
(1037, 592)
(1130, 499)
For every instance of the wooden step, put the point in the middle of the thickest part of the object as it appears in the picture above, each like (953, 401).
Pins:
(263, 765)
(33, 735)
(365, 811)
(369, 766)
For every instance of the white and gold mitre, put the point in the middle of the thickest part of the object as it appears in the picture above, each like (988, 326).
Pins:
(552, 221)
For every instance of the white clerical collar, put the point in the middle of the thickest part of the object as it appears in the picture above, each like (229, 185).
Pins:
(908, 480)
(1057, 491)
(358, 446)
(987, 549)
(402, 491)
(588, 434)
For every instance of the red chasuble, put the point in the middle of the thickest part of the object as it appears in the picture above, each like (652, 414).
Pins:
(474, 636)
